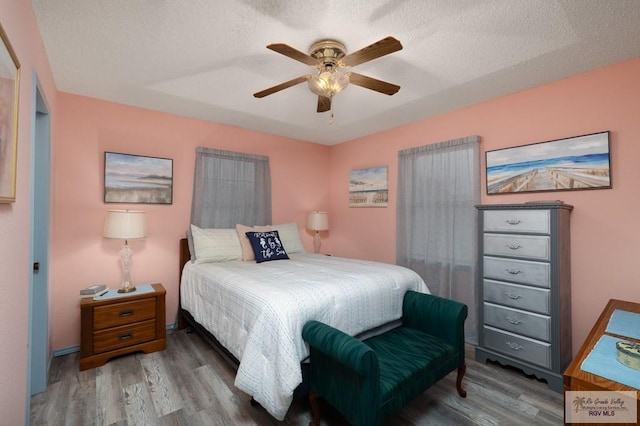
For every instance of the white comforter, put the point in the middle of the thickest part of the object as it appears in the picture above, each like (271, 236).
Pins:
(257, 311)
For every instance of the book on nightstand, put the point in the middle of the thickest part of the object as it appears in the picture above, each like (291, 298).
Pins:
(94, 290)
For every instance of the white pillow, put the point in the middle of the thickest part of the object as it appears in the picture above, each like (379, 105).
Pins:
(216, 245)
(290, 237)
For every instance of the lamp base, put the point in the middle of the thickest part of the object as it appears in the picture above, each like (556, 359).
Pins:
(125, 258)
(316, 242)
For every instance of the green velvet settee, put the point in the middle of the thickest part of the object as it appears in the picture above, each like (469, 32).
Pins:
(370, 381)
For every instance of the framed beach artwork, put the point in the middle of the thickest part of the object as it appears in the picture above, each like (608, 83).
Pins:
(9, 94)
(575, 163)
(137, 179)
(368, 187)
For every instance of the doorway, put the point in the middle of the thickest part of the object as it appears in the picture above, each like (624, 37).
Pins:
(38, 353)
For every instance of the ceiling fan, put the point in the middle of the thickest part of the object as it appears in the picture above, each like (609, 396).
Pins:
(331, 60)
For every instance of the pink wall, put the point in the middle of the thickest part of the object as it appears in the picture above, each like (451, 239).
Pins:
(19, 23)
(85, 129)
(604, 233)
(602, 242)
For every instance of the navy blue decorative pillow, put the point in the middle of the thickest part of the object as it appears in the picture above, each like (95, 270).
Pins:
(267, 246)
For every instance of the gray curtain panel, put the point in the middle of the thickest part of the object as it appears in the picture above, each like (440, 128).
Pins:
(438, 189)
(230, 188)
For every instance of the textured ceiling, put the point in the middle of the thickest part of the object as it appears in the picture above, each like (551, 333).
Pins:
(205, 58)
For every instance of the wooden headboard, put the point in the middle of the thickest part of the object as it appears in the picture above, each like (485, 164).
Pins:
(185, 256)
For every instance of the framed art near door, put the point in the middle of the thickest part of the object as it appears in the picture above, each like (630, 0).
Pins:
(137, 179)
(9, 95)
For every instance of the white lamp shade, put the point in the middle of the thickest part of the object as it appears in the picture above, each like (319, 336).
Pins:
(318, 221)
(125, 224)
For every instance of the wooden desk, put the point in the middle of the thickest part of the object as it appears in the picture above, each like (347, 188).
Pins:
(577, 380)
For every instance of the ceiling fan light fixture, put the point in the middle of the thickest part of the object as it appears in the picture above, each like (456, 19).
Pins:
(332, 63)
(328, 82)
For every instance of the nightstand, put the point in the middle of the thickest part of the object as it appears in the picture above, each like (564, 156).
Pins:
(121, 325)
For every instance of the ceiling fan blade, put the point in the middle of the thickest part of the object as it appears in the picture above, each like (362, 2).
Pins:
(292, 53)
(379, 48)
(281, 86)
(372, 83)
(324, 103)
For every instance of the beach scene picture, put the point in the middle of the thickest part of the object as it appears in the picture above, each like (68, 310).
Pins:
(581, 162)
(368, 187)
(137, 179)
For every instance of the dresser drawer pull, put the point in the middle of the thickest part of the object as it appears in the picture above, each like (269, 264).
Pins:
(514, 346)
(513, 246)
(125, 336)
(513, 296)
(513, 221)
(513, 271)
(126, 313)
(513, 321)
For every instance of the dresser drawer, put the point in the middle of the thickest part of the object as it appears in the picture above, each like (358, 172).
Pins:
(524, 348)
(535, 247)
(522, 322)
(123, 313)
(519, 271)
(529, 221)
(518, 296)
(124, 336)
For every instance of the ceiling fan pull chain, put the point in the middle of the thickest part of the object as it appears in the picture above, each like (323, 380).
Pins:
(331, 116)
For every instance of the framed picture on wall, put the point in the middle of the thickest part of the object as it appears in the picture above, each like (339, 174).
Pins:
(368, 187)
(137, 179)
(579, 162)
(9, 95)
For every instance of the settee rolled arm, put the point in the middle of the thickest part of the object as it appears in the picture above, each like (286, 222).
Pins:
(338, 345)
(355, 372)
(437, 316)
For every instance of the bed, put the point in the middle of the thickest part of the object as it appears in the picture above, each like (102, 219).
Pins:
(255, 311)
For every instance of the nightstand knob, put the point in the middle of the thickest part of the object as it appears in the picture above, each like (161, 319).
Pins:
(126, 313)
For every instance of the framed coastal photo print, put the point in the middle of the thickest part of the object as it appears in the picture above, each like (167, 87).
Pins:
(137, 179)
(9, 94)
(575, 163)
(368, 187)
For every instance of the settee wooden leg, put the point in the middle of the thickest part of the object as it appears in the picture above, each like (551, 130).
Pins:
(461, 370)
(313, 400)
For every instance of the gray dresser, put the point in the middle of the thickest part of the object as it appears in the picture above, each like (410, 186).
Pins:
(525, 288)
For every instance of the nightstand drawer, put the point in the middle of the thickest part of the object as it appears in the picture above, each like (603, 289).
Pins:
(121, 337)
(123, 313)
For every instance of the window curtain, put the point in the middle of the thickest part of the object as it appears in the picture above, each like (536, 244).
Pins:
(230, 188)
(438, 189)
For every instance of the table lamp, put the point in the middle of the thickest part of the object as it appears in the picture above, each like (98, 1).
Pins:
(317, 221)
(125, 225)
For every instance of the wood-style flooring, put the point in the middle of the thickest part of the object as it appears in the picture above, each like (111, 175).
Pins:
(190, 384)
